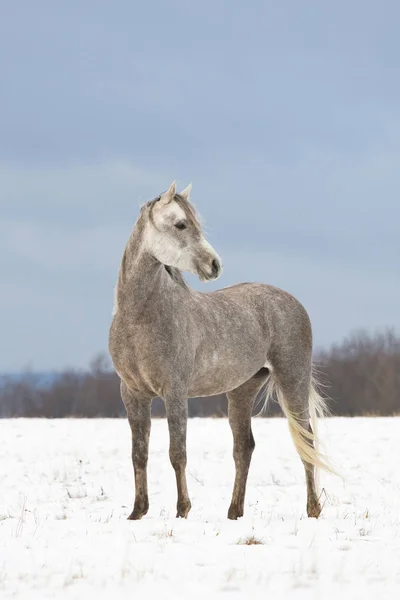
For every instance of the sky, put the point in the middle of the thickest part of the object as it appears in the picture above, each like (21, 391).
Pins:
(285, 116)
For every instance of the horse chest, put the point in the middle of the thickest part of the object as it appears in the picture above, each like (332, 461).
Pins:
(145, 355)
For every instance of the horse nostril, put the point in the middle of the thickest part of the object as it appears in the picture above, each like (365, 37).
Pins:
(215, 267)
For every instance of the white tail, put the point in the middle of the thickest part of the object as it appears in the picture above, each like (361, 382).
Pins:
(317, 408)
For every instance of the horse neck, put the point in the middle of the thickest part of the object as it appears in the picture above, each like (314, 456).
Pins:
(139, 274)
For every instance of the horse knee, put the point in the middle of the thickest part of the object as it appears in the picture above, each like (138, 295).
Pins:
(139, 454)
(139, 461)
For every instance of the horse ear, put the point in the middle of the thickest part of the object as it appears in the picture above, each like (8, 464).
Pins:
(186, 192)
(169, 194)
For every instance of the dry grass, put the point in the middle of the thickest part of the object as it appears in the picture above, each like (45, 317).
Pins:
(164, 535)
(250, 541)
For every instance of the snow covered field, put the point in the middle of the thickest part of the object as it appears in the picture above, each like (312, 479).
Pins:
(67, 487)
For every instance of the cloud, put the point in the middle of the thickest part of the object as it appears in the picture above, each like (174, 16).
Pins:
(74, 194)
(339, 296)
(64, 230)
(289, 133)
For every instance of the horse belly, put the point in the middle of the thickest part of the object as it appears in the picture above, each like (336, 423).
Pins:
(221, 371)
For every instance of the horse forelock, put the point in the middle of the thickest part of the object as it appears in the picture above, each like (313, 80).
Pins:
(189, 210)
(186, 206)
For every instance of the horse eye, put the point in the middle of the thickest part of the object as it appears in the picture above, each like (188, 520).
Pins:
(181, 225)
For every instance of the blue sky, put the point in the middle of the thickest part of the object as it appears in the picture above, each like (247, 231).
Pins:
(284, 116)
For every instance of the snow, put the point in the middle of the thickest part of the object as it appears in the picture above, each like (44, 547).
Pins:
(67, 488)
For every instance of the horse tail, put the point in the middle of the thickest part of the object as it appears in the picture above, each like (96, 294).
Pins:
(306, 440)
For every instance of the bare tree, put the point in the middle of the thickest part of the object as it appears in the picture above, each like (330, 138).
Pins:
(362, 375)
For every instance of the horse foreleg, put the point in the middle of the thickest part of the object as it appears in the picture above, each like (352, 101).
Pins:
(177, 413)
(139, 416)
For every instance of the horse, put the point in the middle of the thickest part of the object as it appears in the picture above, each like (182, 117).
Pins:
(168, 340)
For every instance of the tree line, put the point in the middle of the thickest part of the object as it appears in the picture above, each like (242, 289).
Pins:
(361, 376)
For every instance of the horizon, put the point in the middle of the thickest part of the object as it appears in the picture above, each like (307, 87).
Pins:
(27, 370)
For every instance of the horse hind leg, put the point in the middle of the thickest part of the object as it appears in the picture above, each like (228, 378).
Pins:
(313, 504)
(240, 405)
(297, 399)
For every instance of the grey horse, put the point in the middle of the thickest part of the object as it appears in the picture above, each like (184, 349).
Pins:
(168, 340)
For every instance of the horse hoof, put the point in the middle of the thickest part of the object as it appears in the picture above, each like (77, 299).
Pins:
(138, 512)
(234, 513)
(183, 510)
(313, 512)
(135, 516)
